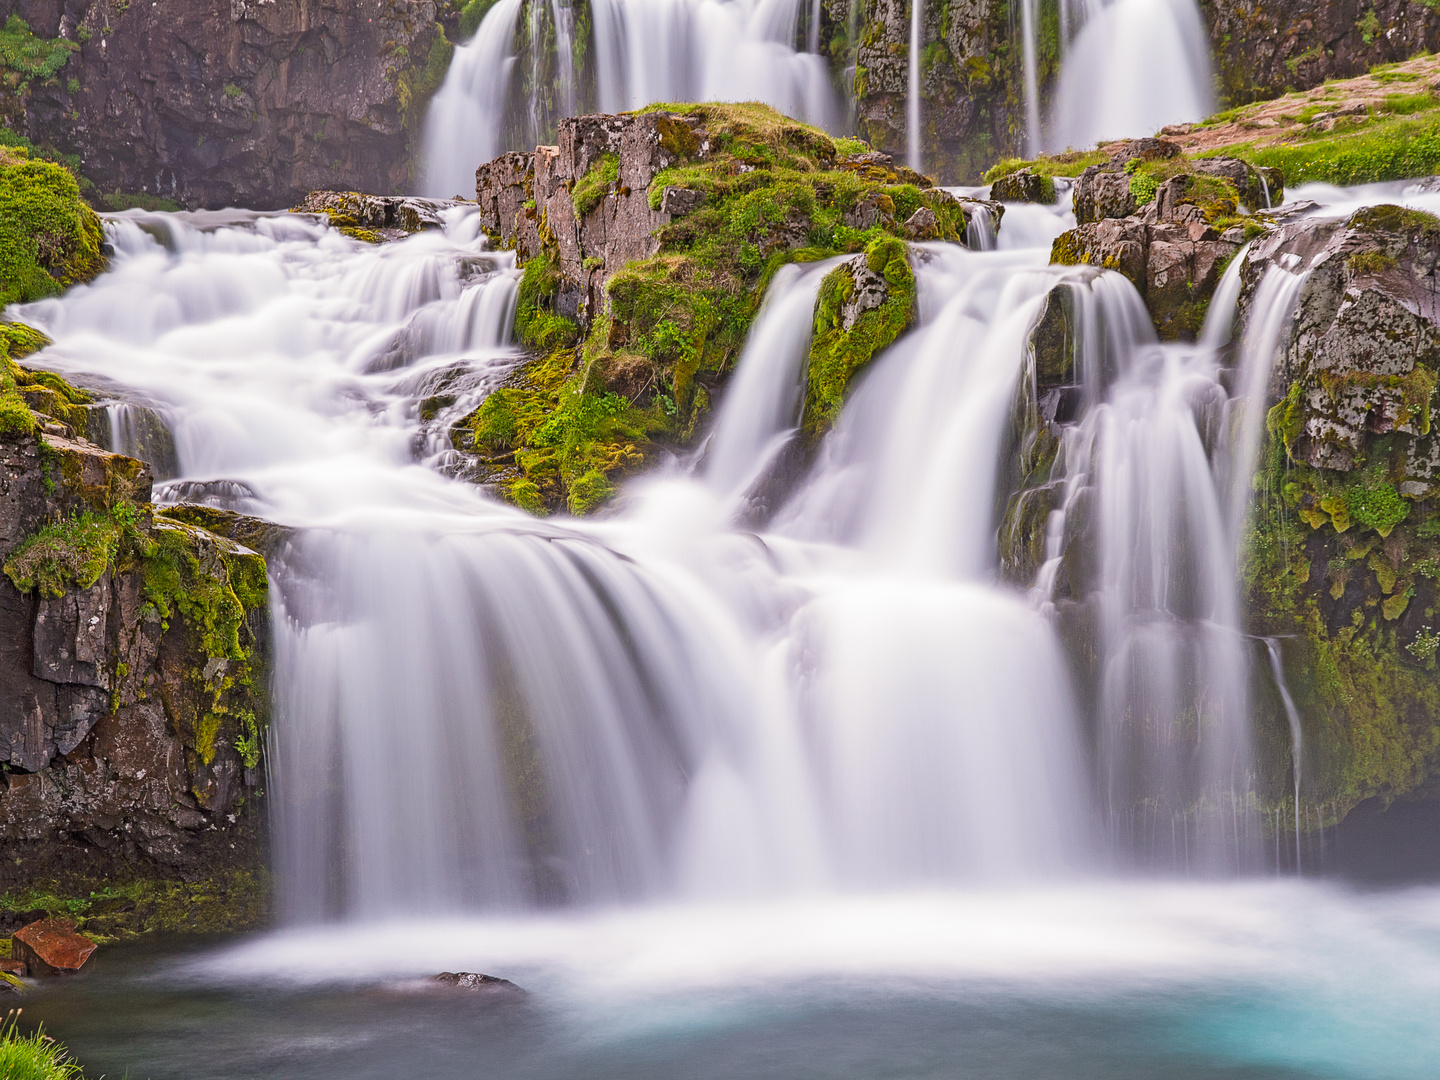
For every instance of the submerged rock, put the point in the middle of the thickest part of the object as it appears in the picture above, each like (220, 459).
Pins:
(469, 980)
(51, 947)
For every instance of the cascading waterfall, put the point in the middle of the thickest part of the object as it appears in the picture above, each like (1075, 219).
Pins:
(475, 708)
(639, 52)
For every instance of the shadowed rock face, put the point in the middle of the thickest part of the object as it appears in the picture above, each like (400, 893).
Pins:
(233, 102)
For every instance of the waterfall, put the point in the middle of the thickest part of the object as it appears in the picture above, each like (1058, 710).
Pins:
(475, 708)
(1297, 735)
(1132, 67)
(913, 134)
(1029, 29)
(762, 405)
(641, 52)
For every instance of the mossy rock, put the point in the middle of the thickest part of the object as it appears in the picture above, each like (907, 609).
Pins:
(50, 239)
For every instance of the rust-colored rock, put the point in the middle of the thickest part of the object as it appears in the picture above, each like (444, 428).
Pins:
(14, 967)
(51, 947)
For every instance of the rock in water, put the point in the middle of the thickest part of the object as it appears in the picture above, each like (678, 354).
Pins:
(51, 947)
(469, 980)
(14, 967)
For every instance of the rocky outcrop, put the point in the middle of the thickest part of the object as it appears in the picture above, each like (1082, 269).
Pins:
(1167, 223)
(375, 218)
(132, 669)
(648, 241)
(50, 947)
(234, 102)
(1342, 558)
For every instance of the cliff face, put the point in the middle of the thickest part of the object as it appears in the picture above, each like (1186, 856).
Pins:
(132, 667)
(234, 102)
(1265, 48)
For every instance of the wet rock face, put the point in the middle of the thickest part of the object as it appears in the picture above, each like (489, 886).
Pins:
(234, 102)
(132, 675)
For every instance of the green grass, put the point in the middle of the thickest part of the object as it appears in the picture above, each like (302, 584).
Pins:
(1072, 163)
(35, 1056)
(1396, 149)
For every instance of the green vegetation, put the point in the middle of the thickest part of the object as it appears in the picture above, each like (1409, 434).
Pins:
(1382, 149)
(35, 1056)
(1356, 605)
(227, 900)
(22, 389)
(49, 238)
(115, 201)
(595, 184)
(837, 353)
(74, 552)
(25, 57)
(1072, 163)
(571, 423)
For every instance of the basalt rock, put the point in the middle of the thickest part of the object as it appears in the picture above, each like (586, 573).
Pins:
(245, 103)
(589, 194)
(133, 660)
(1342, 553)
(1023, 186)
(376, 217)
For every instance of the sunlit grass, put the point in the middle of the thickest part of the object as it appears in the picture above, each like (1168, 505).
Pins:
(35, 1056)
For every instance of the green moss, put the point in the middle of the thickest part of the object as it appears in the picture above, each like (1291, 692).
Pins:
(1340, 602)
(597, 182)
(116, 201)
(49, 238)
(1052, 165)
(837, 354)
(227, 901)
(70, 553)
(1371, 262)
(536, 322)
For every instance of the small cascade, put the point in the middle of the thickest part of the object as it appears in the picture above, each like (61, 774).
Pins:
(639, 52)
(1155, 492)
(465, 124)
(763, 404)
(138, 431)
(1029, 29)
(913, 87)
(1297, 734)
(980, 231)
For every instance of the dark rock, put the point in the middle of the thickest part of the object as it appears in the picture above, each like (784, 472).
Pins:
(1023, 186)
(51, 947)
(1143, 150)
(469, 980)
(391, 216)
(253, 103)
(677, 201)
(1362, 351)
(1100, 193)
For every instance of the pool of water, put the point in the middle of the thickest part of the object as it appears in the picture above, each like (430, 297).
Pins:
(1266, 979)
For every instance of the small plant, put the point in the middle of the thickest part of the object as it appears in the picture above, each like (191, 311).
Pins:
(232, 91)
(1424, 647)
(35, 1056)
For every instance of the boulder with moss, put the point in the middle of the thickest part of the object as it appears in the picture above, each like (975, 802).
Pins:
(1341, 560)
(648, 240)
(49, 237)
(375, 218)
(132, 665)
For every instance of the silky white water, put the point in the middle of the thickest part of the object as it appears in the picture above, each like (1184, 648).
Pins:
(770, 671)
(639, 52)
(1128, 68)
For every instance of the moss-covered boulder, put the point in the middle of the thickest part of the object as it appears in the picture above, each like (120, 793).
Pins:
(49, 237)
(133, 664)
(648, 240)
(1342, 555)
